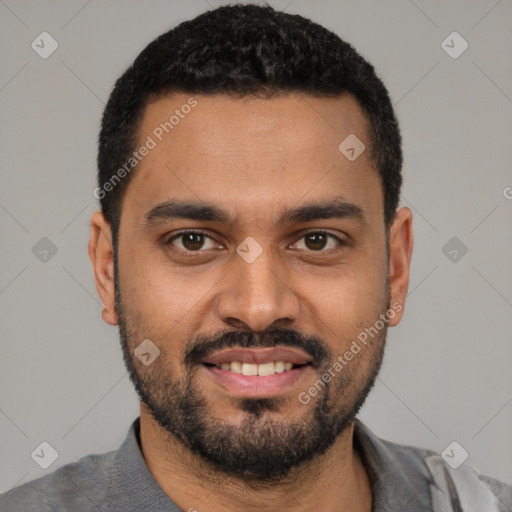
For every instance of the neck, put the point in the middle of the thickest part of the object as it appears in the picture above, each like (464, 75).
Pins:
(335, 481)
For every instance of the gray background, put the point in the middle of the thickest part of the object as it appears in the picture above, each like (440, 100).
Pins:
(446, 374)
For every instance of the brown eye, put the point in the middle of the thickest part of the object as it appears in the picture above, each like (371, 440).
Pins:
(318, 241)
(191, 241)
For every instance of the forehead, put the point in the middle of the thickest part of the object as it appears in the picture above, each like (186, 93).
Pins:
(251, 153)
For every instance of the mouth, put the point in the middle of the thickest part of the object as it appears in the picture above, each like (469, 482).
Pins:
(258, 373)
(261, 369)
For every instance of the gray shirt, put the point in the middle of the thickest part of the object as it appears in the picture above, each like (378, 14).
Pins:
(403, 478)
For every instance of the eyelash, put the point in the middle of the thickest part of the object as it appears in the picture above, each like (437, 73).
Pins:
(198, 232)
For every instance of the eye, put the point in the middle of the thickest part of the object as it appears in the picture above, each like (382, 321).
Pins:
(318, 241)
(197, 241)
(192, 241)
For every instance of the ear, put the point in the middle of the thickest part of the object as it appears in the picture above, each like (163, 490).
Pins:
(101, 254)
(400, 253)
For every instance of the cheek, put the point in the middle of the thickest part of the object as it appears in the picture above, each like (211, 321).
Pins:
(353, 296)
(347, 303)
(161, 303)
(158, 291)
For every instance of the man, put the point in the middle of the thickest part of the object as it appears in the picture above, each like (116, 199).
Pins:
(250, 249)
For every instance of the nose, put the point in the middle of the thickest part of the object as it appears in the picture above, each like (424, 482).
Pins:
(257, 296)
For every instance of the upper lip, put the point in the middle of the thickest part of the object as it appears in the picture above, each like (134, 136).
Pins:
(258, 355)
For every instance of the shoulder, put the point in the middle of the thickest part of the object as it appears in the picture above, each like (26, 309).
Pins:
(463, 485)
(420, 479)
(76, 486)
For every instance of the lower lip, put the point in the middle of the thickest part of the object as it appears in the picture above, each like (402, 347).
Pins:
(255, 386)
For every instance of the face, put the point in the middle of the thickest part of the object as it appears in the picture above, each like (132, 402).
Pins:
(253, 253)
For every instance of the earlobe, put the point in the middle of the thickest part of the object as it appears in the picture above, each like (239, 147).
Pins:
(101, 254)
(109, 317)
(400, 253)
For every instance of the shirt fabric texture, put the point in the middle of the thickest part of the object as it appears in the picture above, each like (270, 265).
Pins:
(403, 478)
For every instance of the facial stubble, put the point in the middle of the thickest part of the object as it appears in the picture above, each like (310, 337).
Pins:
(264, 446)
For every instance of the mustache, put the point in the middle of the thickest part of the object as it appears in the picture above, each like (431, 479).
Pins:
(204, 345)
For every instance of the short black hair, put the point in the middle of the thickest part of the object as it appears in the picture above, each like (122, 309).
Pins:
(244, 50)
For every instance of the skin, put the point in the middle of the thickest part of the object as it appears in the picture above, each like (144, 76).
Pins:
(255, 158)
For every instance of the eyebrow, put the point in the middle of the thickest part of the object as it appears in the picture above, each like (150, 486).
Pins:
(335, 208)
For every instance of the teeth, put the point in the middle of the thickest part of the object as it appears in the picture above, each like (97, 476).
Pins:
(262, 369)
(235, 366)
(249, 369)
(279, 367)
(266, 369)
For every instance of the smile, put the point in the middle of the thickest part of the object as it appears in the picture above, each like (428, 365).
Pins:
(262, 369)
(262, 372)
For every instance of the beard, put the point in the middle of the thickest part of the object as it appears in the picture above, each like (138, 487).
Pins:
(264, 446)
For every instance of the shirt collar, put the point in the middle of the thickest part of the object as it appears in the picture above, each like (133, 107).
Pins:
(399, 481)
(132, 483)
(399, 478)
